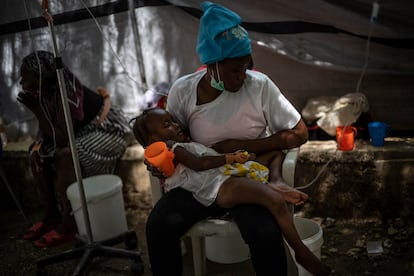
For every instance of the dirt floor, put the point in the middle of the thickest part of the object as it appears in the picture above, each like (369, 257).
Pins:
(344, 248)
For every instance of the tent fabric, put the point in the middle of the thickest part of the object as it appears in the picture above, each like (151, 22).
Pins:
(310, 48)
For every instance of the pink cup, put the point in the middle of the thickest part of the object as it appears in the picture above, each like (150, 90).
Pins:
(160, 157)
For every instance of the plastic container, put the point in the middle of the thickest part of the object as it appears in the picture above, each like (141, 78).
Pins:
(232, 249)
(311, 235)
(227, 250)
(160, 157)
(105, 204)
(378, 131)
(345, 137)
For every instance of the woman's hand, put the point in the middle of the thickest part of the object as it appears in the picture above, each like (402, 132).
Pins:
(230, 145)
(35, 161)
(30, 100)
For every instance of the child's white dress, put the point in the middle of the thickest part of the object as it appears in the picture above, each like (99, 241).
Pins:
(205, 184)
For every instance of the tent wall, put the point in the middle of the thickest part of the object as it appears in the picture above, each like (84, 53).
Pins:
(309, 48)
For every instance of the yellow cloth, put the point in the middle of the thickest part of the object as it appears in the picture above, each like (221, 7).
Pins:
(251, 169)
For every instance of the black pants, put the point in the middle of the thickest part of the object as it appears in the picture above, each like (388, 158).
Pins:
(177, 211)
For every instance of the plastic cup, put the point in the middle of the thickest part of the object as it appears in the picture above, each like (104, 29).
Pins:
(160, 157)
(378, 131)
(345, 137)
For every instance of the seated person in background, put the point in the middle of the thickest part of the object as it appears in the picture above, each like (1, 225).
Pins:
(202, 171)
(100, 135)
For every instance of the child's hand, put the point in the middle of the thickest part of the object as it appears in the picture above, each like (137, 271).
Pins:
(240, 156)
(170, 143)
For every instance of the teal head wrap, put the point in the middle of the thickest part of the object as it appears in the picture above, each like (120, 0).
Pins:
(220, 35)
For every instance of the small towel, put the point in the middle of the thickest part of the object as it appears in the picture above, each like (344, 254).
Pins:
(251, 169)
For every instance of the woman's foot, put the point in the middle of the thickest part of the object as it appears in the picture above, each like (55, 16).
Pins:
(61, 234)
(40, 228)
(290, 194)
(54, 238)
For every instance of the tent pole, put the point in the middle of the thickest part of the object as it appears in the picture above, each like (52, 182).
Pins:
(138, 50)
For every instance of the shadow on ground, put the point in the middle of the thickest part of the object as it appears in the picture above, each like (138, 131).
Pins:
(344, 249)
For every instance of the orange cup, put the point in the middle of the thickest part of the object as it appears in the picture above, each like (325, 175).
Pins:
(345, 137)
(160, 157)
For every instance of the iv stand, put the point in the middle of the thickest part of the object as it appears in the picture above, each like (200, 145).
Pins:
(68, 120)
(90, 249)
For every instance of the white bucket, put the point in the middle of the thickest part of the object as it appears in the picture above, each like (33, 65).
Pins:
(311, 235)
(105, 204)
(233, 249)
(227, 250)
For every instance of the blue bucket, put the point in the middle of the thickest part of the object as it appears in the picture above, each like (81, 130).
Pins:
(378, 131)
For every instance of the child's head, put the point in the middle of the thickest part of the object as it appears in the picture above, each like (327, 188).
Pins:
(156, 124)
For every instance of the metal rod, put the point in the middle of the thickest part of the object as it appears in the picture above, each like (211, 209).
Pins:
(3, 177)
(69, 125)
(138, 50)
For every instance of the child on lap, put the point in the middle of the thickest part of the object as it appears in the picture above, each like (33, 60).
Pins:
(199, 169)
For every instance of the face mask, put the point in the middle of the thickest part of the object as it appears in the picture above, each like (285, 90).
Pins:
(217, 85)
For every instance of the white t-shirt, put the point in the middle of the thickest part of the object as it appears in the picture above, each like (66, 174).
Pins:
(257, 110)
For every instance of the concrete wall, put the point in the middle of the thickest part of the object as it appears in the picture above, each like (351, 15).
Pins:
(366, 182)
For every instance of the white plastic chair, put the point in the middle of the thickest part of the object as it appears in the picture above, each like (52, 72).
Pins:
(226, 228)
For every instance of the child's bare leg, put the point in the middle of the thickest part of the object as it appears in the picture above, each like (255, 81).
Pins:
(241, 190)
(274, 160)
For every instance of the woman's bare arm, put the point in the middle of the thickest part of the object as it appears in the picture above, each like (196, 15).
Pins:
(284, 139)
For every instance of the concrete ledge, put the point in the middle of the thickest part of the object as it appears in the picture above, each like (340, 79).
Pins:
(394, 148)
(136, 185)
(15, 165)
(368, 181)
